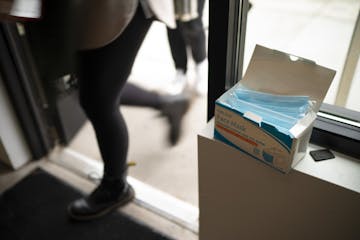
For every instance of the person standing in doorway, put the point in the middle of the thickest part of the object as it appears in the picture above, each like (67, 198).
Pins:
(189, 33)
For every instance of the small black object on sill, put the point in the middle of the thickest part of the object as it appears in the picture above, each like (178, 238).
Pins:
(322, 154)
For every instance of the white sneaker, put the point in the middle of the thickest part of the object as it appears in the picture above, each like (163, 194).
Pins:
(201, 78)
(178, 85)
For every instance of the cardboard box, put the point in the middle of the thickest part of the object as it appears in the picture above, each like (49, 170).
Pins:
(279, 73)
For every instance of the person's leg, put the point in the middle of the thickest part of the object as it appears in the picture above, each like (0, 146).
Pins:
(102, 74)
(172, 107)
(194, 34)
(178, 47)
(133, 95)
(179, 55)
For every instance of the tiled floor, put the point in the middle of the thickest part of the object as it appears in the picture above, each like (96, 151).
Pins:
(316, 29)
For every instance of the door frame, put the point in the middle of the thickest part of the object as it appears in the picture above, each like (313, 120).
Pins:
(20, 80)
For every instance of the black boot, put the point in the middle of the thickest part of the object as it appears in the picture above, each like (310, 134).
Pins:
(108, 196)
(174, 109)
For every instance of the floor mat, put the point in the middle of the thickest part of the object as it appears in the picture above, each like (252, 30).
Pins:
(35, 208)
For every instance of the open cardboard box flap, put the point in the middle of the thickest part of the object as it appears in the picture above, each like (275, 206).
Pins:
(276, 72)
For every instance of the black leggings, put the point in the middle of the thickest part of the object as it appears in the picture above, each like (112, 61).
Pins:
(102, 74)
(136, 96)
(189, 33)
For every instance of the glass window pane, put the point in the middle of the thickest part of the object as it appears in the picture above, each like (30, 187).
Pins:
(318, 30)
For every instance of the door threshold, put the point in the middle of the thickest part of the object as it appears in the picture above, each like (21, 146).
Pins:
(148, 197)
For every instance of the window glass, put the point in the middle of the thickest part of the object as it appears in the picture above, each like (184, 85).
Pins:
(319, 30)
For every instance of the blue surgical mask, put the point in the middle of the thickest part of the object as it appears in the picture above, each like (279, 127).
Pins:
(294, 106)
(277, 119)
(280, 111)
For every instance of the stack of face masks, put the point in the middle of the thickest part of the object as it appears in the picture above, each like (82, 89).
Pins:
(280, 111)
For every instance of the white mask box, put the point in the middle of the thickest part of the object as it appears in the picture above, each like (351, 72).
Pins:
(281, 74)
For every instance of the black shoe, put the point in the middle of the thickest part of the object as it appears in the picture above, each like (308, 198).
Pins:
(174, 109)
(108, 196)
